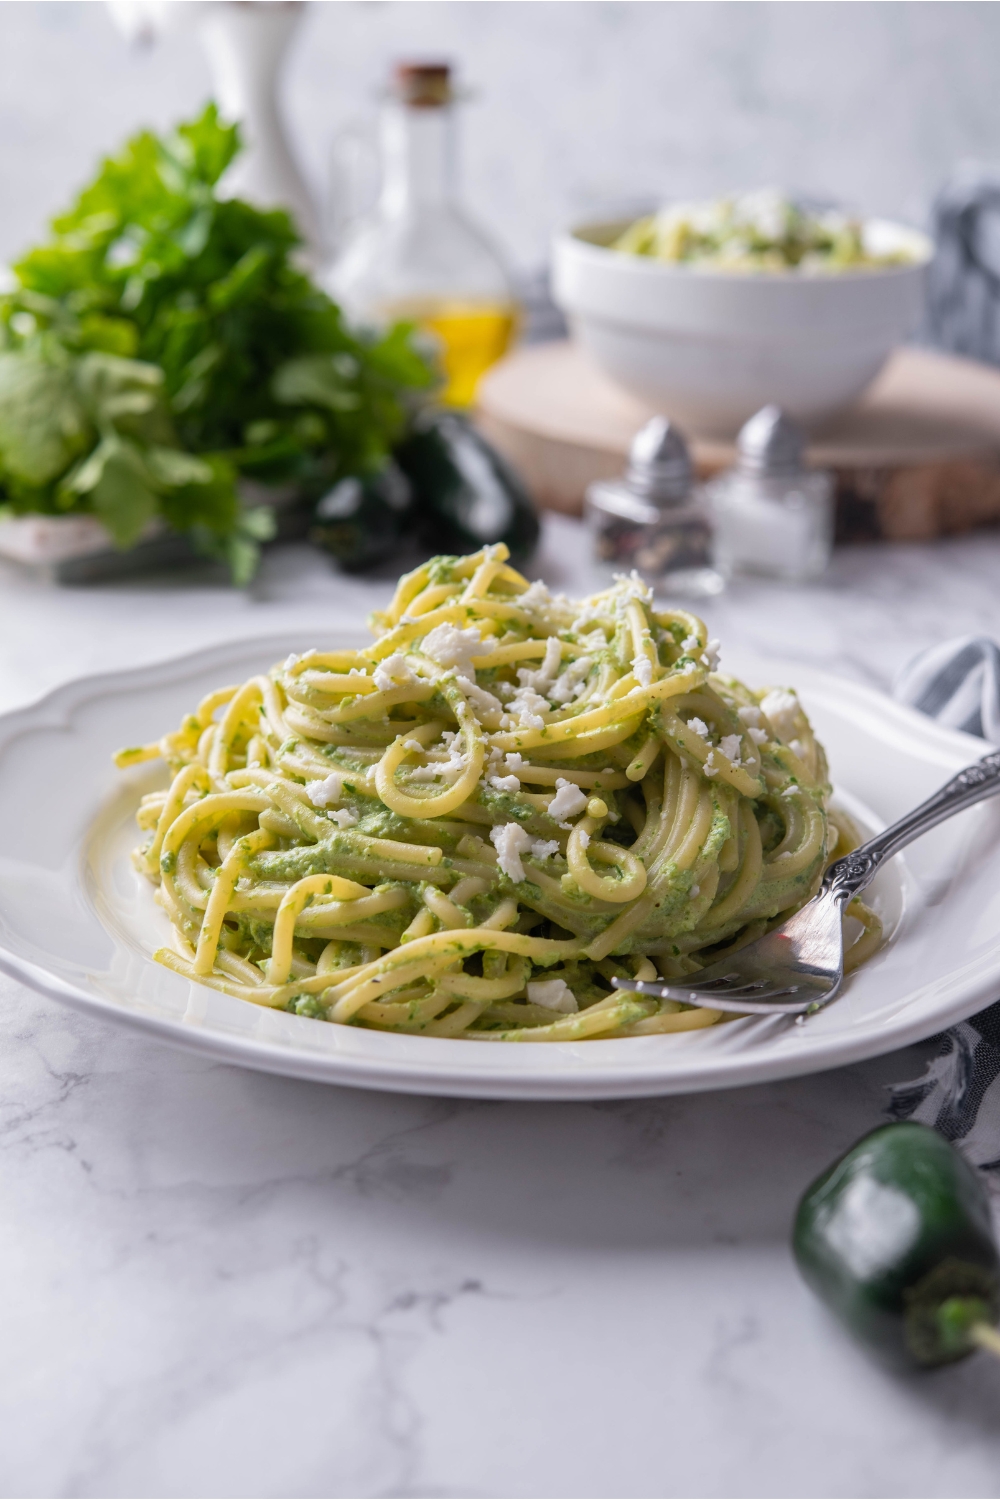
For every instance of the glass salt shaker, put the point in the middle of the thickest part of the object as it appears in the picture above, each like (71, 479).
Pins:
(772, 514)
(651, 518)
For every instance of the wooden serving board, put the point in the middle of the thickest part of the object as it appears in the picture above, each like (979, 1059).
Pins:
(919, 456)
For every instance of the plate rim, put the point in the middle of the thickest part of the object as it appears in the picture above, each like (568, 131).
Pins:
(741, 1069)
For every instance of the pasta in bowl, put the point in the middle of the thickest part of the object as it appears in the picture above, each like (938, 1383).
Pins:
(468, 828)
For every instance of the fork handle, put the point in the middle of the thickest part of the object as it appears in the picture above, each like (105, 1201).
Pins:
(847, 876)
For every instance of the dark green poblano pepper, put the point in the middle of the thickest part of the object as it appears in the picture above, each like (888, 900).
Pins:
(364, 519)
(466, 494)
(897, 1240)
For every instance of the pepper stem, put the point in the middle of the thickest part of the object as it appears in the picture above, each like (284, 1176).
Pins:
(963, 1323)
(986, 1337)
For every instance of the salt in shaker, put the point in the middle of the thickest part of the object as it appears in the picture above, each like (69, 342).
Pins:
(772, 514)
(651, 519)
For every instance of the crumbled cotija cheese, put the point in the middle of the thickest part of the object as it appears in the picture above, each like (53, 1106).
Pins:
(542, 678)
(483, 700)
(690, 643)
(395, 671)
(710, 656)
(643, 669)
(633, 588)
(433, 771)
(529, 707)
(510, 841)
(344, 817)
(552, 994)
(536, 597)
(451, 647)
(451, 767)
(782, 708)
(568, 800)
(699, 727)
(588, 617)
(292, 660)
(544, 848)
(505, 783)
(730, 746)
(330, 789)
(569, 684)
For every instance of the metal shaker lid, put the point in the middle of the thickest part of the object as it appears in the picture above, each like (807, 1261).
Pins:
(659, 465)
(771, 443)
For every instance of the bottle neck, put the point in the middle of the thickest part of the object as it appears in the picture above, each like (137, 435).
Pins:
(418, 147)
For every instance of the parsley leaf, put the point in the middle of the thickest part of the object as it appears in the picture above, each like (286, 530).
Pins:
(164, 343)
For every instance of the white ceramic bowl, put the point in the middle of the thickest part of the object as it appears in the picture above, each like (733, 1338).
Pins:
(709, 348)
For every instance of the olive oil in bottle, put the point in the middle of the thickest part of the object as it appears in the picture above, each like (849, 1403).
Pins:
(420, 257)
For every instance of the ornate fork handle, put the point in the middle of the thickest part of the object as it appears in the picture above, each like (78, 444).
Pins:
(847, 876)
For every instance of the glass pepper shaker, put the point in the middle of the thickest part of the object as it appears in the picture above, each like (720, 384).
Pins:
(651, 518)
(772, 514)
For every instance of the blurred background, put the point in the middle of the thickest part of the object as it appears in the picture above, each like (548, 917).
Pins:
(509, 182)
(577, 105)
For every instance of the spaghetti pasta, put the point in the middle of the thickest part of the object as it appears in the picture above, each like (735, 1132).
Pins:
(468, 828)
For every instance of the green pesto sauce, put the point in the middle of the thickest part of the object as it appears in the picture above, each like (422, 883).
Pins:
(508, 807)
(306, 1005)
(381, 823)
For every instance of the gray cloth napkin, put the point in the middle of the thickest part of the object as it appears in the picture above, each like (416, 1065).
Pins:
(963, 284)
(958, 683)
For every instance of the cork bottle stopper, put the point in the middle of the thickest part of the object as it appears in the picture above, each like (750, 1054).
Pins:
(424, 85)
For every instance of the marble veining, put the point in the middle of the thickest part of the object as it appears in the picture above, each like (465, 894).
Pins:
(225, 1283)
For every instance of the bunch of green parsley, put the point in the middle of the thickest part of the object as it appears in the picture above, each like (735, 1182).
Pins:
(163, 344)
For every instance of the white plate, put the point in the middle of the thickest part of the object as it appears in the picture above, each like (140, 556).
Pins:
(79, 925)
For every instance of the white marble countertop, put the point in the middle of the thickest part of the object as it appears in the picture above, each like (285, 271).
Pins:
(224, 1283)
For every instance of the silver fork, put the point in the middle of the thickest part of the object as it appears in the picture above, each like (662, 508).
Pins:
(800, 965)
